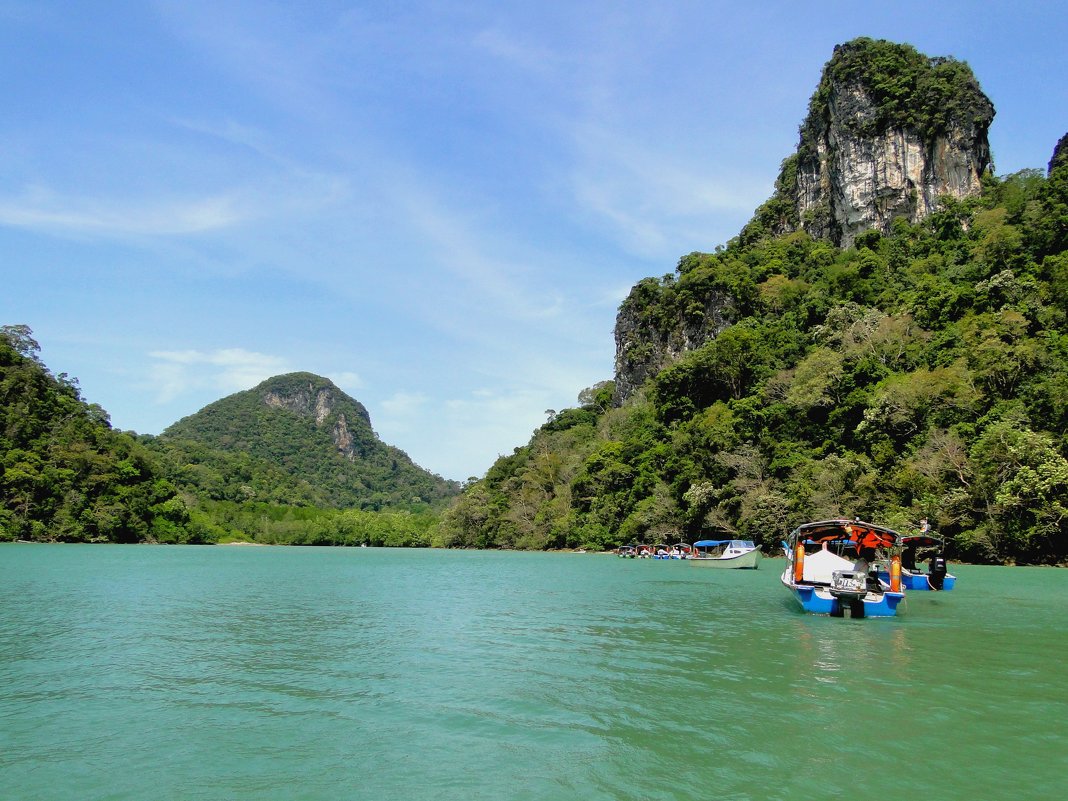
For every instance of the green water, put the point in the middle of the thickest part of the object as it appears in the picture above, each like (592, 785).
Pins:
(147, 672)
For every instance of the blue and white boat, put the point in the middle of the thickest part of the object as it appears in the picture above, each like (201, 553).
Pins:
(937, 576)
(826, 583)
(726, 553)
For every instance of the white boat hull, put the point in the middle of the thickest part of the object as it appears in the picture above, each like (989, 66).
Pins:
(749, 559)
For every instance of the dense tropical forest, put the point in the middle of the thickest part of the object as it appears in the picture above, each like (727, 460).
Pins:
(920, 373)
(67, 476)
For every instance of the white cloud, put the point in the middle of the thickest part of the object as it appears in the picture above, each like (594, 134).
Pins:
(181, 372)
(529, 57)
(401, 413)
(347, 380)
(653, 199)
(44, 210)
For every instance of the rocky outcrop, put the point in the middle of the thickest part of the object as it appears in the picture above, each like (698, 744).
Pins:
(1060, 155)
(889, 132)
(316, 399)
(653, 328)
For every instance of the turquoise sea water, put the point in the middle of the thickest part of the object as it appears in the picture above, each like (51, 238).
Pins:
(146, 672)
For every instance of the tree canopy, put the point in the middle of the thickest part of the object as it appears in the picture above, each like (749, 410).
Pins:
(921, 373)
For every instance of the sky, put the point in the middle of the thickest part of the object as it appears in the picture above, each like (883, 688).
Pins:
(437, 205)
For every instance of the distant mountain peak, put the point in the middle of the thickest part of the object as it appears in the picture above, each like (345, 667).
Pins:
(306, 426)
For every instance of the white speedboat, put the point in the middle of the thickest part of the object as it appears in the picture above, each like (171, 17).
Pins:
(725, 553)
(826, 583)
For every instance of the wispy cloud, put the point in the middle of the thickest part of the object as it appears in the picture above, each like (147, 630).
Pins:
(348, 381)
(454, 434)
(44, 210)
(180, 372)
(527, 56)
(653, 198)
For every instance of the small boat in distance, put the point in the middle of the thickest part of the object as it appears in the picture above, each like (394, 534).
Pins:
(679, 550)
(826, 583)
(726, 553)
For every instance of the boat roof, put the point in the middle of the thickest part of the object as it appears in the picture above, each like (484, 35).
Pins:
(865, 535)
(715, 543)
(923, 540)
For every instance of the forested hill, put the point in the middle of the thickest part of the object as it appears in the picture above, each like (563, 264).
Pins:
(64, 473)
(302, 426)
(294, 461)
(918, 368)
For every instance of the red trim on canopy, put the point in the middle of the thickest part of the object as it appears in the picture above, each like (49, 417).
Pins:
(864, 535)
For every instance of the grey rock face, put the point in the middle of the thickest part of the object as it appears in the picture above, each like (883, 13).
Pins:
(644, 347)
(319, 403)
(855, 182)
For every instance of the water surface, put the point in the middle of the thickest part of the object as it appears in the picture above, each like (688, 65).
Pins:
(164, 672)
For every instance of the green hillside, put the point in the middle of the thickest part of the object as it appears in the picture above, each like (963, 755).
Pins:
(239, 469)
(65, 475)
(921, 373)
(297, 439)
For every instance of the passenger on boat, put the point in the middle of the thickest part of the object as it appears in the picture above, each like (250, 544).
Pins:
(863, 565)
(863, 562)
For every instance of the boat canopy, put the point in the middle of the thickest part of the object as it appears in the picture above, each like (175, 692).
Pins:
(864, 535)
(922, 540)
(717, 543)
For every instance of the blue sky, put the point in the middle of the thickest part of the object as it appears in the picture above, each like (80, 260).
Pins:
(438, 205)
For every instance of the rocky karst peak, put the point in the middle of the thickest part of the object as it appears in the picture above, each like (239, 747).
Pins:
(889, 132)
(313, 397)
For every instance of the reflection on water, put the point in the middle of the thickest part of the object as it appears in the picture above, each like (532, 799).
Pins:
(214, 673)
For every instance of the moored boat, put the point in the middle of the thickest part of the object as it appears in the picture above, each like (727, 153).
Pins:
(679, 550)
(937, 576)
(726, 553)
(825, 582)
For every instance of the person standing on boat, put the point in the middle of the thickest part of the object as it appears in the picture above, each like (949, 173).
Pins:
(861, 564)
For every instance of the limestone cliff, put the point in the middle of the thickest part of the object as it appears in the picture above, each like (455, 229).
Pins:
(888, 133)
(316, 399)
(658, 322)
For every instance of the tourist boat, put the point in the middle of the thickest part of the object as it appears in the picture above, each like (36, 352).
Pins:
(726, 553)
(679, 550)
(682, 550)
(827, 583)
(626, 551)
(912, 578)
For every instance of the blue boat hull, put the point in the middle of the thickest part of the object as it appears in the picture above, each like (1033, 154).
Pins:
(918, 581)
(819, 601)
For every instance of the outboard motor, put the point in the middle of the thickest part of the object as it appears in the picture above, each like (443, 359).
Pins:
(938, 571)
